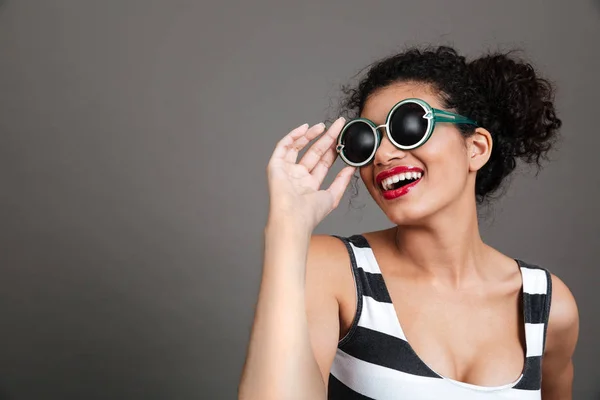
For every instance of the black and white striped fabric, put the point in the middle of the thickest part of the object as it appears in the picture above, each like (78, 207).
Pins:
(375, 361)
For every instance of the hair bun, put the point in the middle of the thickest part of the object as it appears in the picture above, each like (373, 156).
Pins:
(517, 107)
(520, 102)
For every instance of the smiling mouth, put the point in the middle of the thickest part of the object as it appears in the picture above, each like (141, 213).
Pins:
(397, 181)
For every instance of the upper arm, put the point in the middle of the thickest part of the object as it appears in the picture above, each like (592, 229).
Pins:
(326, 271)
(561, 339)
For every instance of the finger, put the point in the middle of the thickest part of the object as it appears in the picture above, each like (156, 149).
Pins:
(320, 170)
(340, 183)
(284, 145)
(302, 141)
(318, 150)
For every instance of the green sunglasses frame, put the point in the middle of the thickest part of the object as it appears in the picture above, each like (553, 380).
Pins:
(432, 115)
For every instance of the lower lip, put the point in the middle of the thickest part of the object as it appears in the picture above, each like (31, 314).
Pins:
(394, 194)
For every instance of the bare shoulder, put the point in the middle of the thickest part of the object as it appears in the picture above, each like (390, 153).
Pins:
(327, 251)
(563, 323)
(329, 293)
(561, 340)
(328, 265)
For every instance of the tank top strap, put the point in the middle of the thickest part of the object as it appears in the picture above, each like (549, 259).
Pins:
(358, 283)
(537, 296)
(368, 280)
(365, 269)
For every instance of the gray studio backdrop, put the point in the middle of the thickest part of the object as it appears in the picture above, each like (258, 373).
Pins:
(134, 137)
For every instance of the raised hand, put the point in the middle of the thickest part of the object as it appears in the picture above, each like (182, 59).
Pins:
(294, 187)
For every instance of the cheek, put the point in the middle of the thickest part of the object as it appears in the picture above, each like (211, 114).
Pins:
(446, 149)
(446, 180)
(447, 167)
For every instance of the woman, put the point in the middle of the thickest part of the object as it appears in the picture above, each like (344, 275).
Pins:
(425, 310)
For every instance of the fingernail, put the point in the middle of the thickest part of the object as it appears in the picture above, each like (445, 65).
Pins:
(342, 119)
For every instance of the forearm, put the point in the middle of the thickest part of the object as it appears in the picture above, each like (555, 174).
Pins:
(280, 363)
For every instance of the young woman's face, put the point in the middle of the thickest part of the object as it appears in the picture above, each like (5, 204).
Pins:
(443, 162)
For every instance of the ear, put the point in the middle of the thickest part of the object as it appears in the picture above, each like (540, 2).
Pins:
(479, 148)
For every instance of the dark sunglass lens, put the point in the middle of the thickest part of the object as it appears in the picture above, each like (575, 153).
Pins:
(359, 142)
(407, 125)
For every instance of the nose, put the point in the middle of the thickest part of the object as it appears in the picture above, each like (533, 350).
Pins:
(387, 152)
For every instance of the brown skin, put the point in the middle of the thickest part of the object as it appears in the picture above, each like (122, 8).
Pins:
(280, 363)
(456, 298)
(331, 305)
(434, 264)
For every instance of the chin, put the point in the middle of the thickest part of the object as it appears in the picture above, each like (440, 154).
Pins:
(408, 216)
(410, 210)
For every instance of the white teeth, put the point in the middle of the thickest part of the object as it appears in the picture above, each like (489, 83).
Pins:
(388, 183)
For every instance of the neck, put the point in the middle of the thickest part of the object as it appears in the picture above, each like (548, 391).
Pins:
(449, 248)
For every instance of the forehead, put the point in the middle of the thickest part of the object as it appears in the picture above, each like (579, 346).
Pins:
(379, 103)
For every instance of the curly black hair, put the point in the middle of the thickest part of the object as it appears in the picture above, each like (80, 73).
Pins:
(502, 93)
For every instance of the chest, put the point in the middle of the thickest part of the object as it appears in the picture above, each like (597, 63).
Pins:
(474, 335)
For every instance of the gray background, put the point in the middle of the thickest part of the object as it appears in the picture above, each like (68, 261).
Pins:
(134, 137)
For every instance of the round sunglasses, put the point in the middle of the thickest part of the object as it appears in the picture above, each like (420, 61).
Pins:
(408, 125)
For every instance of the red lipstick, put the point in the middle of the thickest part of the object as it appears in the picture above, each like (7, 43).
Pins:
(401, 191)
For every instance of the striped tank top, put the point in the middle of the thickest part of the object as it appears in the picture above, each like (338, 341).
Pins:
(375, 361)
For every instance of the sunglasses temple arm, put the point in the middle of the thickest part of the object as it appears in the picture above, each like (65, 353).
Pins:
(445, 116)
